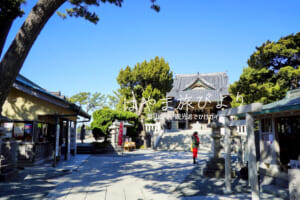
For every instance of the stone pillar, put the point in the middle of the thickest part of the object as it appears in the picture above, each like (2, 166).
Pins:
(174, 124)
(227, 157)
(252, 167)
(208, 116)
(217, 143)
(294, 183)
(187, 118)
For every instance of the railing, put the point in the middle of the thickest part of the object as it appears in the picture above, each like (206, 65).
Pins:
(156, 132)
(150, 128)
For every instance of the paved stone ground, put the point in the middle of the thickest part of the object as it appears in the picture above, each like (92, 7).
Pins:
(139, 175)
(32, 182)
(196, 186)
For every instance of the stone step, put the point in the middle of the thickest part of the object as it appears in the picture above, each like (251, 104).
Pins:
(181, 140)
(84, 149)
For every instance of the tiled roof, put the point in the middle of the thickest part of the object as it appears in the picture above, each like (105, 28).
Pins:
(23, 81)
(217, 82)
(290, 102)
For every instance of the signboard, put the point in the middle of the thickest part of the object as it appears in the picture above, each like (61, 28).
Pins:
(8, 128)
(18, 130)
(271, 138)
(28, 129)
(57, 140)
(120, 139)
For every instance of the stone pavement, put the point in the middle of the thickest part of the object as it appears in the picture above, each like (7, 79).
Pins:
(31, 183)
(196, 186)
(138, 175)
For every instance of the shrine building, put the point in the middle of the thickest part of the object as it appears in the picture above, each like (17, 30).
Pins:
(195, 99)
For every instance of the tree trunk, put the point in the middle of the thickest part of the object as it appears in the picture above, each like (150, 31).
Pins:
(16, 54)
(5, 27)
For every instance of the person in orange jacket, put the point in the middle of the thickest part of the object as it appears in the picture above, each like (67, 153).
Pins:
(195, 145)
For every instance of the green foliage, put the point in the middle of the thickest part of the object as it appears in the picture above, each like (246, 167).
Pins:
(149, 80)
(273, 69)
(98, 133)
(103, 118)
(80, 8)
(113, 100)
(91, 101)
(10, 9)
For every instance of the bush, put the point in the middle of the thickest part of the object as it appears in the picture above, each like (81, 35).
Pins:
(98, 133)
(103, 118)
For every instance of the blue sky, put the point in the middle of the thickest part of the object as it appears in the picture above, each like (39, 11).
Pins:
(73, 55)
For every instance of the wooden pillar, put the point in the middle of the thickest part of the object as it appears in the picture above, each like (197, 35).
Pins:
(14, 153)
(252, 167)
(227, 157)
(67, 155)
(75, 150)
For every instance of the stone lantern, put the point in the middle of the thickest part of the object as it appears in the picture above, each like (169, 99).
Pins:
(114, 131)
(216, 135)
(216, 165)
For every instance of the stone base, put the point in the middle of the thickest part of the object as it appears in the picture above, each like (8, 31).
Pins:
(294, 183)
(8, 176)
(215, 168)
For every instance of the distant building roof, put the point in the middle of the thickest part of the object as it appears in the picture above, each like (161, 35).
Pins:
(195, 86)
(290, 102)
(27, 86)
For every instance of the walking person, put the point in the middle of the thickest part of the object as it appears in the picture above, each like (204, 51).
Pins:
(82, 133)
(195, 146)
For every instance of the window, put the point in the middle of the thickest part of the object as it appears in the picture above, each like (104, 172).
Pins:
(266, 125)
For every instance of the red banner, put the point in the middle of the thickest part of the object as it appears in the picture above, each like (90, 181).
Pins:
(120, 139)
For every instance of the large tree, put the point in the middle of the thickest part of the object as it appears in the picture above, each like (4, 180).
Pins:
(90, 101)
(145, 85)
(273, 69)
(113, 100)
(17, 52)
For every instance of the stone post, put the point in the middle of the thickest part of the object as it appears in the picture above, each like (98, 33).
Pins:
(252, 168)
(208, 116)
(216, 135)
(187, 119)
(174, 124)
(294, 183)
(227, 157)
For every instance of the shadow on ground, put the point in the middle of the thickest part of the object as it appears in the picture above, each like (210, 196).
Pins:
(195, 184)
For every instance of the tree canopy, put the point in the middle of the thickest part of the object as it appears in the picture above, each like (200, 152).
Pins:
(91, 101)
(18, 50)
(272, 70)
(144, 83)
(103, 118)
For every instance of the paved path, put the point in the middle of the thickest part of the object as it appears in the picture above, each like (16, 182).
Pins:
(143, 175)
(32, 183)
(139, 175)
